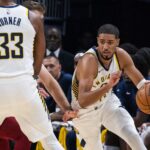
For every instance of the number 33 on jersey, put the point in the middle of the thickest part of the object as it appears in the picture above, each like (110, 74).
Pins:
(16, 45)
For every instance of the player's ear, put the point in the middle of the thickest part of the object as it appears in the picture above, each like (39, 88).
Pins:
(97, 39)
(118, 41)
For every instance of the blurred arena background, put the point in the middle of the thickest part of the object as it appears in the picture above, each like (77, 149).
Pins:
(77, 16)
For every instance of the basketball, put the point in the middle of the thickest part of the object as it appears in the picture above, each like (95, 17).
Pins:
(143, 98)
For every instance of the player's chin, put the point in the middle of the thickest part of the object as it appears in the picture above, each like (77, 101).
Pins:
(107, 57)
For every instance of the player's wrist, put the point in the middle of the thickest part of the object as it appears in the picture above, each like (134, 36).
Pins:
(108, 86)
(75, 105)
(141, 83)
(68, 108)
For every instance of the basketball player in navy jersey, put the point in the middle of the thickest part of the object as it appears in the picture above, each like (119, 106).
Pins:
(22, 47)
(97, 72)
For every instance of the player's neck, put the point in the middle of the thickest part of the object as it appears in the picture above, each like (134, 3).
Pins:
(7, 3)
(105, 62)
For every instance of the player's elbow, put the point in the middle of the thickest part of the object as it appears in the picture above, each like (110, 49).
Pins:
(37, 69)
(82, 102)
(36, 72)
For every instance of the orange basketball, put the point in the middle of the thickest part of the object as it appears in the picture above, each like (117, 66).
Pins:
(143, 98)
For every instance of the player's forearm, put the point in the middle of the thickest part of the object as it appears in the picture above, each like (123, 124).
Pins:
(54, 89)
(134, 74)
(87, 98)
(61, 100)
(59, 96)
(37, 68)
(38, 59)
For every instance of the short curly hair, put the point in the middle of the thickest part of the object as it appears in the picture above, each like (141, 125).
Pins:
(108, 29)
(33, 5)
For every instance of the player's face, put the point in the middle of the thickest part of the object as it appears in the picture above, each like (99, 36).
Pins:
(107, 44)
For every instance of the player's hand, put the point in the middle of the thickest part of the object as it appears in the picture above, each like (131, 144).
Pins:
(142, 128)
(114, 78)
(69, 114)
(144, 84)
(147, 81)
(43, 92)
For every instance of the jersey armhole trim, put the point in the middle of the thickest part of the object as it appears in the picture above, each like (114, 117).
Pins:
(117, 60)
(27, 12)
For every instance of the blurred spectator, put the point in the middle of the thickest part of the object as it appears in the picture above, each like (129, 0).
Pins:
(77, 57)
(145, 53)
(141, 64)
(64, 79)
(131, 49)
(54, 48)
(86, 41)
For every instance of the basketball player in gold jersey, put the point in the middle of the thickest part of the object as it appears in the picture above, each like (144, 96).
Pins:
(97, 72)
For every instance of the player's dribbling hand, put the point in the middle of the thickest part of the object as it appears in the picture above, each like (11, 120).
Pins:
(69, 114)
(114, 78)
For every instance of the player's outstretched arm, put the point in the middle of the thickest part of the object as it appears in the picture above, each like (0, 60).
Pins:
(129, 68)
(54, 89)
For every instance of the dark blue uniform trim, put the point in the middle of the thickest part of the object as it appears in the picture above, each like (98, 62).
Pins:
(9, 6)
(83, 143)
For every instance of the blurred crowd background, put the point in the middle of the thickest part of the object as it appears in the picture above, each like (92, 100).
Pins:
(70, 30)
(81, 18)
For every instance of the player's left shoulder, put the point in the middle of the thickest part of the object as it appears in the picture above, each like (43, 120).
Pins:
(123, 57)
(121, 52)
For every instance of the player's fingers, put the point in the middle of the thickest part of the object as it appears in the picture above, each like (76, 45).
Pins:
(72, 114)
(147, 81)
(64, 118)
(43, 93)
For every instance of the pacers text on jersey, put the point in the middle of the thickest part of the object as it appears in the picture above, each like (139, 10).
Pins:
(10, 21)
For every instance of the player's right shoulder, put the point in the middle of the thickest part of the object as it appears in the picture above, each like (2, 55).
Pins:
(88, 60)
(89, 57)
(88, 63)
